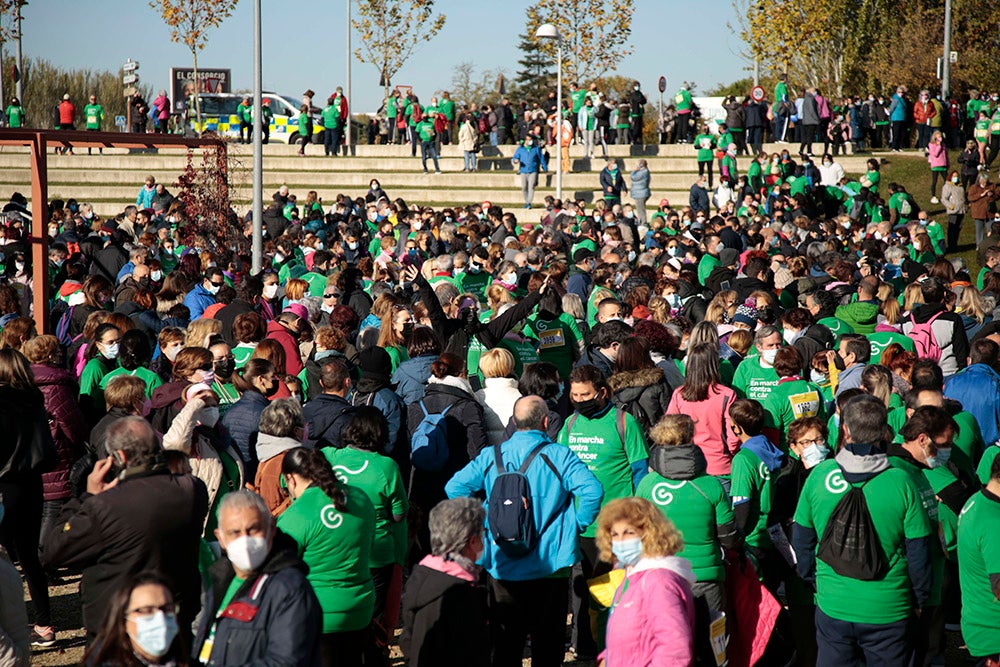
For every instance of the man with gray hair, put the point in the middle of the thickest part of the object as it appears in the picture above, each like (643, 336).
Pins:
(756, 378)
(531, 590)
(134, 516)
(901, 584)
(444, 611)
(259, 605)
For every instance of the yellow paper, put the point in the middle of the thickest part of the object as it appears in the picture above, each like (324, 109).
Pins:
(603, 588)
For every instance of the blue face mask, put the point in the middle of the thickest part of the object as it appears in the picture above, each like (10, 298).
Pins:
(943, 456)
(155, 634)
(813, 455)
(628, 552)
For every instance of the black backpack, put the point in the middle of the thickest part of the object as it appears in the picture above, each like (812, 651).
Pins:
(850, 544)
(511, 507)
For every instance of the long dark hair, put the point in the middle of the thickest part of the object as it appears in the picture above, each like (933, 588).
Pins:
(701, 372)
(243, 377)
(311, 464)
(113, 645)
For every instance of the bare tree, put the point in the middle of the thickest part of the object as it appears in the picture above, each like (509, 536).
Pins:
(391, 30)
(189, 22)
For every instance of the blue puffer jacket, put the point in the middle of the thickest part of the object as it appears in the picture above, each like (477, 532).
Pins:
(530, 160)
(242, 421)
(411, 377)
(977, 388)
(559, 519)
(897, 109)
(197, 300)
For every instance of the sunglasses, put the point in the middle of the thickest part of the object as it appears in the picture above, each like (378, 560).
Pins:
(332, 295)
(207, 367)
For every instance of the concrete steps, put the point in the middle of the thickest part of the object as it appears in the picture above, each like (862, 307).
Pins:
(112, 180)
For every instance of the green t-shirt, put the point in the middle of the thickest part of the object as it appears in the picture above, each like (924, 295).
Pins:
(941, 478)
(15, 116)
(397, 355)
(883, 339)
(704, 143)
(682, 100)
(597, 443)
(751, 483)
(836, 326)
(94, 115)
(791, 400)
(337, 548)
(379, 478)
(968, 444)
(242, 353)
(91, 378)
(317, 283)
(930, 505)
(978, 558)
(982, 130)
(780, 91)
(556, 341)
(447, 107)
(897, 515)
(874, 177)
(425, 129)
(331, 116)
(151, 379)
(523, 351)
(578, 97)
(752, 380)
(697, 507)
(903, 203)
(597, 295)
(475, 283)
(706, 265)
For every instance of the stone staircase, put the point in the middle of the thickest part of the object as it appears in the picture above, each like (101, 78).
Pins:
(111, 181)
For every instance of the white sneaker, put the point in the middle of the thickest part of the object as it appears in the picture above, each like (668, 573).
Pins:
(935, 200)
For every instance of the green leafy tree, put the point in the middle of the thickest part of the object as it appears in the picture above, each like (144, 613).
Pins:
(391, 30)
(596, 34)
(740, 88)
(468, 85)
(189, 22)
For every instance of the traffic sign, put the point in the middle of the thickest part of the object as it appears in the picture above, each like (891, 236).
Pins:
(757, 94)
(119, 121)
(130, 79)
(131, 66)
(663, 84)
(130, 91)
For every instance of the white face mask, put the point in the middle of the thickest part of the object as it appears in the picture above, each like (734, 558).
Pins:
(270, 291)
(814, 455)
(788, 335)
(510, 278)
(247, 553)
(110, 351)
(769, 355)
(156, 276)
(816, 377)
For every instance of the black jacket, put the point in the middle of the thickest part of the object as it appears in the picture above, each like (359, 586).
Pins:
(281, 621)
(228, 314)
(108, 262)
(594, 357)
(719, 275)
(151, 520)
(816, 338)
(643, 394)
(444, 621)
(325, 417)
(27, 449)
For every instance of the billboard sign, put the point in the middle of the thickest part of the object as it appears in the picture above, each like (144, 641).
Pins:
(210, 81)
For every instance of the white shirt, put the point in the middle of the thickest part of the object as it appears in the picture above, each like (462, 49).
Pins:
(830, 174)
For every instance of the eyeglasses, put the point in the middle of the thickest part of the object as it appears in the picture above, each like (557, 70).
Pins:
(226, 358)
(807, 443)
(332, 295)
(169, 608)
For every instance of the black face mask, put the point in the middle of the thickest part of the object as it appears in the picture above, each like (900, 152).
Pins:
(273, 389)
(224, 369)
(591, 407)
(407, 330)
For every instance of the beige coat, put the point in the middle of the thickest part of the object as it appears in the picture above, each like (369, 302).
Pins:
(206, 464)
(467, 136)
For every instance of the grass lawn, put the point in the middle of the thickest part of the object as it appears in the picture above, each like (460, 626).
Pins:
(911, 170)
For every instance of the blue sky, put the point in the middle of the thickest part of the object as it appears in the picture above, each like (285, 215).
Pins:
(679, 39)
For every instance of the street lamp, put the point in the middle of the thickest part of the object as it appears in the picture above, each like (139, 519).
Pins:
(549, 31)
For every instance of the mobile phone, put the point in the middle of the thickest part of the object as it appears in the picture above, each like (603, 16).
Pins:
(725, 285)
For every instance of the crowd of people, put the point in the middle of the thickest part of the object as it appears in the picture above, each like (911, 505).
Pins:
(766, 428)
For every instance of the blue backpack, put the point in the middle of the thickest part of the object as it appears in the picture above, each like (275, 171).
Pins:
(511, 514)
(62, 328)
(429, 444)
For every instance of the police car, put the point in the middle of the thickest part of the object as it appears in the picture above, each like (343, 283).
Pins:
(218, 115)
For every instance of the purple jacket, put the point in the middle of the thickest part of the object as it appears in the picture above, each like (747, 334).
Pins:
(66, 422)
(652, 620)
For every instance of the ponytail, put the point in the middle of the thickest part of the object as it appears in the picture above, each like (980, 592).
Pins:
(311, 464)
(243, 378)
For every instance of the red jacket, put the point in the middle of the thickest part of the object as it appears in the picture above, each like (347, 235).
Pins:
(67, 112)
(293, 358)
(923, 111)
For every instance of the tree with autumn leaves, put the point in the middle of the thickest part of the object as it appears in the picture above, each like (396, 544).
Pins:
(189, 22)
(595, 34)
(856, 46)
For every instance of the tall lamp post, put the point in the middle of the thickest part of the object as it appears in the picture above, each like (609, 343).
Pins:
(549, 31)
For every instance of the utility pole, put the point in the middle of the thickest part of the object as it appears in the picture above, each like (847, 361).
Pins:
(946, 60)
(347, 84)
(20, 65)
(258, 148)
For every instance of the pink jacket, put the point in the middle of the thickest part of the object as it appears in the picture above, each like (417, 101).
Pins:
(711, 426)
(652, 621)
(937, 155)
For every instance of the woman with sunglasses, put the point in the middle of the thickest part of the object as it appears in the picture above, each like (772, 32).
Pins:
(141, 628)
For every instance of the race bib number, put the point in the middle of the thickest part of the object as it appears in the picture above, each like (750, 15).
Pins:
(804, 405)
(706, 143)
(92, 120)
(550, 339)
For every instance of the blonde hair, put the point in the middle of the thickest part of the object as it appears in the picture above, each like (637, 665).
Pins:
(42, 349)
(891, 310)
(672, 430)
(740, 340)
(659, 535)
(912, 297)
(497, 295)
(722, 304)
(199, 331)
(497, 363)
(296, 289)
(971, 304)
(572, 304)
(125, 391)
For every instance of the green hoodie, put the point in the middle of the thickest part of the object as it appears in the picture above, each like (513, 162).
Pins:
(862, 316)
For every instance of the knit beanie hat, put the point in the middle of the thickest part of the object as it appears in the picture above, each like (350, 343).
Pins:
(746, 314)
(375, 363)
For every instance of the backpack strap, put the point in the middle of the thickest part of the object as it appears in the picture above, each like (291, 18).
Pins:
(620, 423)
(572, 420)
(424, 408)
(725, 413)
(530, 458)
(498, 458)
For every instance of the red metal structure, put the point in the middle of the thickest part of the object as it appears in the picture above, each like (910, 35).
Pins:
(38, 141)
